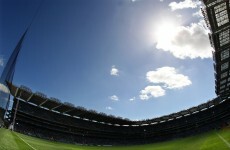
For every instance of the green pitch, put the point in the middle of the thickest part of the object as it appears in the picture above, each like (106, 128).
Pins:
(214, 140)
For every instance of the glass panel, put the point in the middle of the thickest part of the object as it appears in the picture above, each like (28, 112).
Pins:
(223, 81)
(224, 66)
(228, 84)
(222, 91)
(224, 54)
(224, 37)
(221, 14)
(222, 87)
(223, 75)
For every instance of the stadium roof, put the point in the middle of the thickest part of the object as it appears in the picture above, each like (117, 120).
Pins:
(217, 14)
(53, 104)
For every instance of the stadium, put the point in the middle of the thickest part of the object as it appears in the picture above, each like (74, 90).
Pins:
(41, 117)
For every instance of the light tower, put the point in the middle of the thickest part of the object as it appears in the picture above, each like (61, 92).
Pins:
(7, 76)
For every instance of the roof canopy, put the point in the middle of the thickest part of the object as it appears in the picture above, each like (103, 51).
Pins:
(53, 104)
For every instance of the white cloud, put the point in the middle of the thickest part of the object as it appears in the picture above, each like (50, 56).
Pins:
(1, 61)
(185, 41)
(132, 99)
(4, 89)
(169, 77)
(114, 71)
(114, 98)
(151, 91)
(184, 4)
(179, 16)
(108, 108)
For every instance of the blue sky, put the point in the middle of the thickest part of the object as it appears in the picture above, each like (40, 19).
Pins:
(135, 59)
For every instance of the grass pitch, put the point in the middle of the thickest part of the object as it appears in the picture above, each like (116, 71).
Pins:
(214, 140)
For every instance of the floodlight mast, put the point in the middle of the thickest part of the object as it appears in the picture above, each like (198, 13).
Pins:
(11, 127)
(7, 76)
(8, 72)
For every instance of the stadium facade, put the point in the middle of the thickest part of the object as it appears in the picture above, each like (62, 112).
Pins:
(35, 114)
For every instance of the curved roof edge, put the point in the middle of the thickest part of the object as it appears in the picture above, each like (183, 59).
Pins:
(91, 115)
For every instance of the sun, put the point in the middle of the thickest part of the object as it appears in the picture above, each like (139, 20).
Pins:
(164, 31)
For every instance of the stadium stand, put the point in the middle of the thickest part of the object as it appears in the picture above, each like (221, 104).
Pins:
(51, 122)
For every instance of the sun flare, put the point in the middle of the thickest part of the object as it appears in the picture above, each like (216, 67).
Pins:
(165, 30)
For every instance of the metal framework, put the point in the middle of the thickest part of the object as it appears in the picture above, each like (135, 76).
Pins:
(217, 15)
